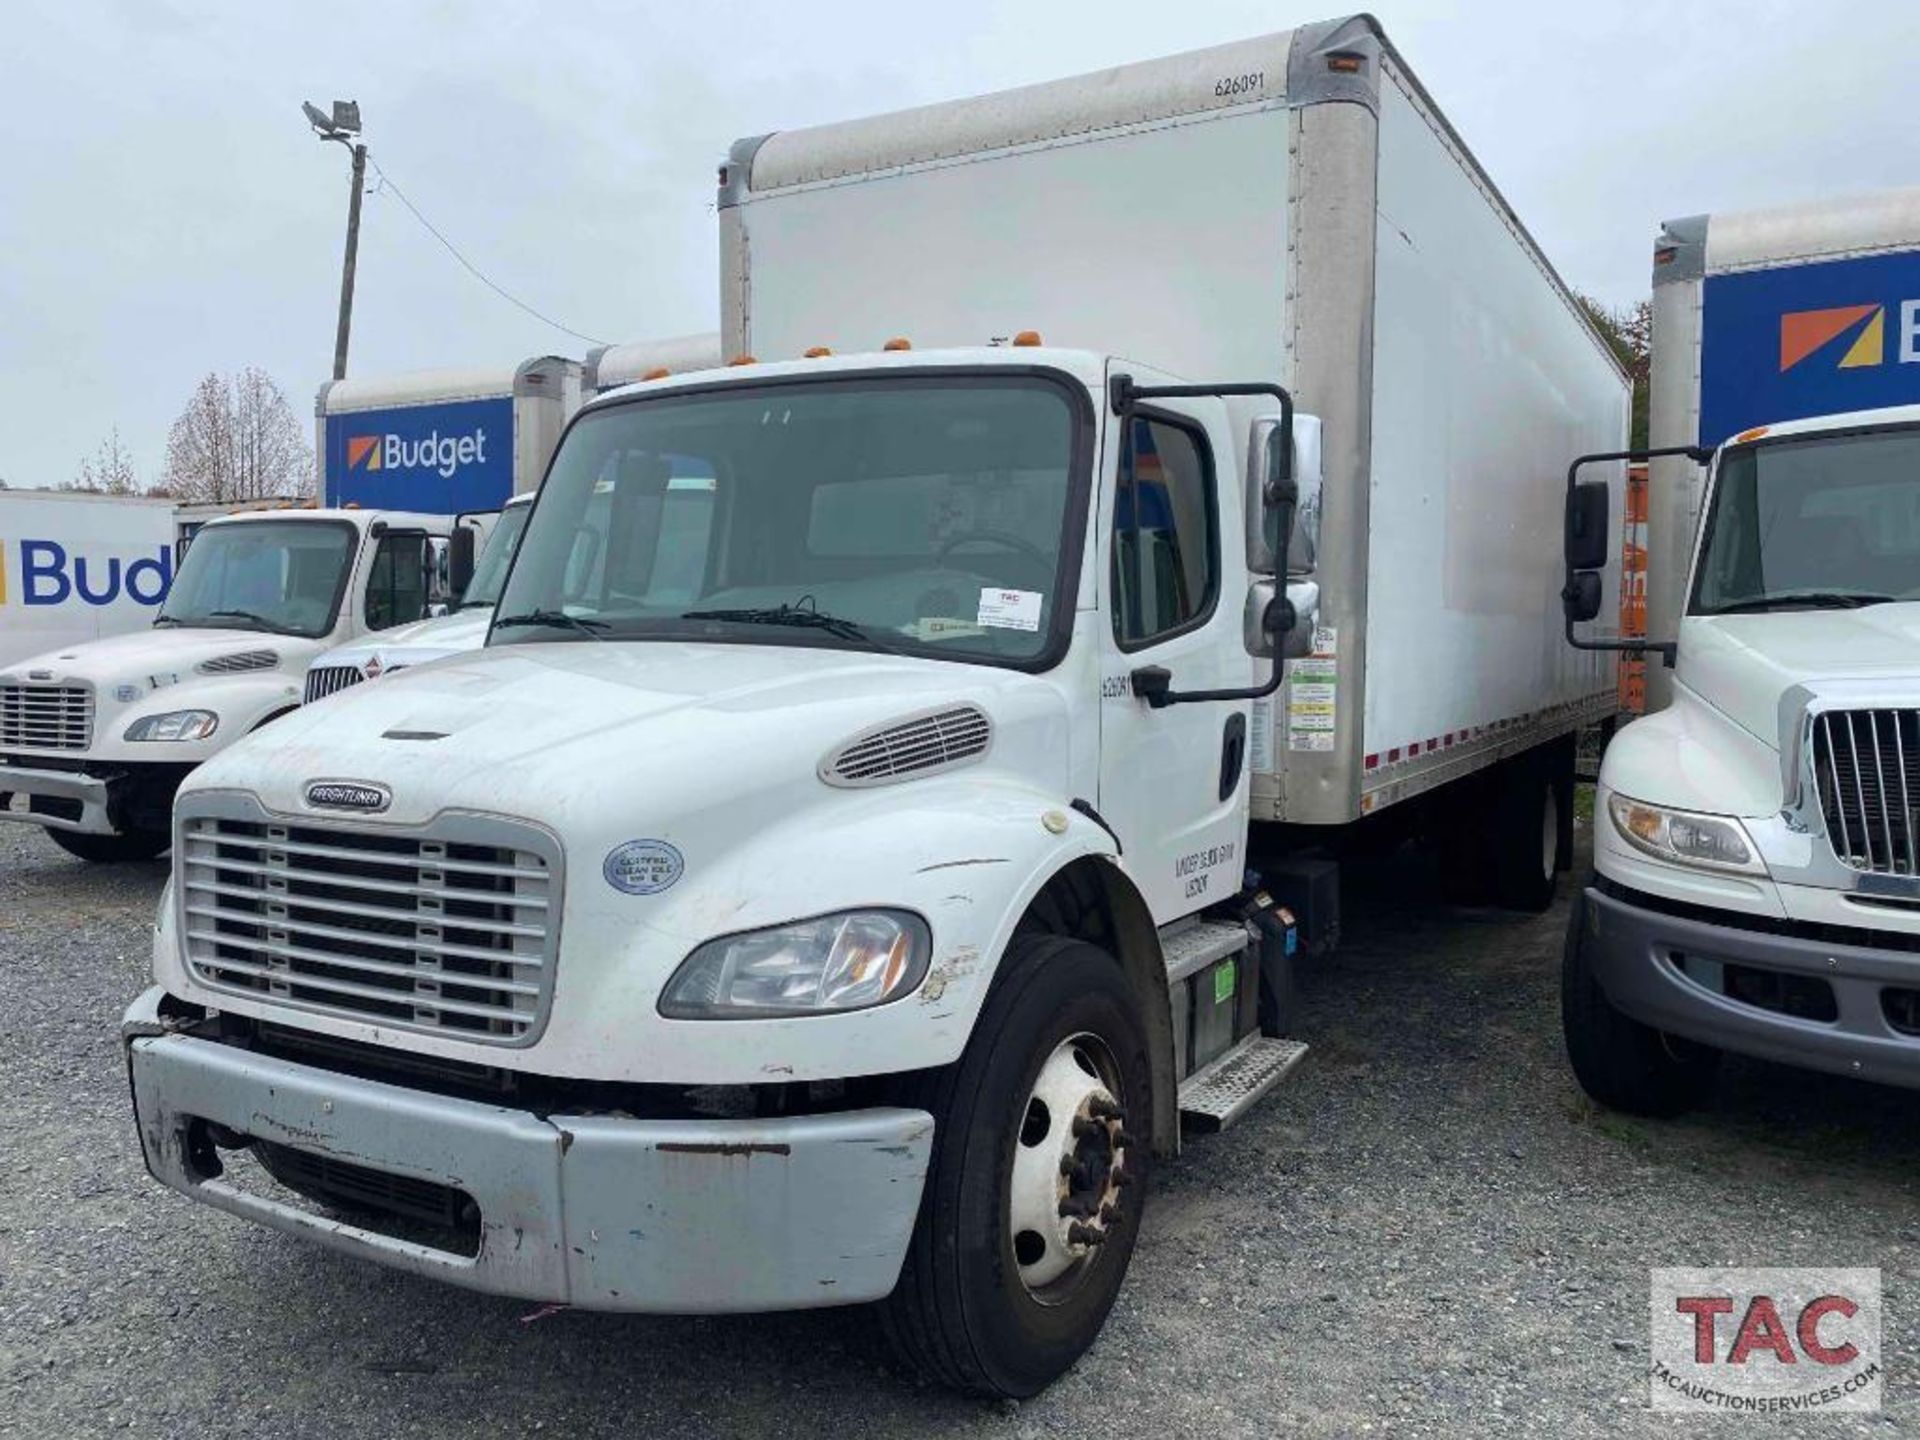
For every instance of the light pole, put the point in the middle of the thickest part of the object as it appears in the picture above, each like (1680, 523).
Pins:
(342, 126)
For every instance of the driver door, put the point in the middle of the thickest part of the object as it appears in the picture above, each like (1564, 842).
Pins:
(1173, 781)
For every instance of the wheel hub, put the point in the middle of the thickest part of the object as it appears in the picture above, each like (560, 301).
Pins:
(1069, 1165)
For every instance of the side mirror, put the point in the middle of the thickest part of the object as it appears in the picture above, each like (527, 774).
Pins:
(1586, 525)
(1279, 621)
(459, 560)
(1581, 597)
(1283, 490)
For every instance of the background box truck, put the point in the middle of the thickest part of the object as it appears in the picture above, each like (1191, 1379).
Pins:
(443, 442)
(611, 366)
(853, 913)
(1768, 315)
(76, 567)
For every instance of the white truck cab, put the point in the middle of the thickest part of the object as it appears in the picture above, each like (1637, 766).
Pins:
(463, 627)
(95, 738)
(1756, 884)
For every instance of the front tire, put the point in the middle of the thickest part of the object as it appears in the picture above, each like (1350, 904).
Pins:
(1042, 1142)
(111, 849)
(1621, 1063)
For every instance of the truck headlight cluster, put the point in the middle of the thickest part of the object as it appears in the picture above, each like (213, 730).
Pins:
(1682, 837)
(174, 725)
(847, 961)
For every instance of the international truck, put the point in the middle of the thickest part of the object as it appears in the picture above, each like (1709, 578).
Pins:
(478, 581)
(75, 567)
(95, 737)
(853, 914)
(1755, 888)
(443, 442)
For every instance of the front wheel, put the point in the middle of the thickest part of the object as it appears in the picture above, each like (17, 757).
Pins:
(1041, 1150)
(111, 849)
(1618, 1061)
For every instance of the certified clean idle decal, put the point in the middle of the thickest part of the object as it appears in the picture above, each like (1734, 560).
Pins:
(642, 867)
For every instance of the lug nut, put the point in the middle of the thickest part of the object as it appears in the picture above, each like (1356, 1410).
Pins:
(1085, 1129)
(1120, 1178)
(1104, 1109)
(1078, 1234)
(1121, 1139)
(1068, 1165)
(1109, 1213)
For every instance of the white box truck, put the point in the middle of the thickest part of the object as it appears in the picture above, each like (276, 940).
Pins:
(1756, 886)
(95, 737)
(443, 442)
(75, 567)
(828, 885)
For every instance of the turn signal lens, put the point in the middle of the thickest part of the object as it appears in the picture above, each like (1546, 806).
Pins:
(1716, 841)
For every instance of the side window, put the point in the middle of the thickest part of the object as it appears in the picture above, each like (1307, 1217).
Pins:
(397, 580)
(1166, 543)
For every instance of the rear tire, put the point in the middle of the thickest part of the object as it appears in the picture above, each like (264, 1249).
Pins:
(111, 849)
(1623, 1064)
(995, 1296)
(1526, 833)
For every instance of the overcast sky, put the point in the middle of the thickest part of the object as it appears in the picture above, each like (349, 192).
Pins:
(164, 210)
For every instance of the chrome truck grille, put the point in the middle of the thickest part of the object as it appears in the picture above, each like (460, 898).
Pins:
(452, 930)
(325, 680)
(46, 717)
(1866, 764)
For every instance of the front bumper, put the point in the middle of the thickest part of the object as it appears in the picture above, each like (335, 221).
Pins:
(1634, 949)
(21, 786)
(597, 1211)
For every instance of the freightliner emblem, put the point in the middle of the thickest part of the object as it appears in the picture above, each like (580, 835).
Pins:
(349, 795)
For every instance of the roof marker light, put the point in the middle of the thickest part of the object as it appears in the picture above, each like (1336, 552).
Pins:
(743, 360)
(1345, 62)
(1753, 434)
(658, 372)
(898, 342)
(1027, 338)
(817, 352)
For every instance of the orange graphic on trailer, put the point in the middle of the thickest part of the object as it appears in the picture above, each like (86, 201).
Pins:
(363, 447)
(1802, 332)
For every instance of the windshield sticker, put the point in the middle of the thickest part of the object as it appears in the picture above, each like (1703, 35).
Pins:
(642, 867)
(1009, 609)
(940, 627)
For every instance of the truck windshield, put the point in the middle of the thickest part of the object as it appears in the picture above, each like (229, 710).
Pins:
(1821, 521)
(280, 575)
(923, 515)
(490, 570)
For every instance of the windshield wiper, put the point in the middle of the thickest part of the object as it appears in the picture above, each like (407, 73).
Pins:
(1816, 599)
(247, 615)
(809, 619)
(553, 620)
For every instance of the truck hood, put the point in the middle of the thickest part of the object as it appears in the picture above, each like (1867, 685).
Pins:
(155, 658)
(1743, 664)
(569, 733)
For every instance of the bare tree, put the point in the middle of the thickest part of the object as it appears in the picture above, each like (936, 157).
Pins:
(108, 471)
(237, 440)
(1629, 333)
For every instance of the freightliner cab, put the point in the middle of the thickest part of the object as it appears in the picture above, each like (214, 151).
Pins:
(96, 737)
(831, 882)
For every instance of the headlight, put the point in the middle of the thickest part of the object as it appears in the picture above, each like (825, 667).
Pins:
(837, 962)
(175, 725)
(1682, 837)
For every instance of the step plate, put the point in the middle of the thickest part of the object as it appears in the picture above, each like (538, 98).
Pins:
(1218, 1094)
(1189, 948)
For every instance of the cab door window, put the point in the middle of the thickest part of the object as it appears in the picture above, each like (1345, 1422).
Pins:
(397, 580)
(1166, 542)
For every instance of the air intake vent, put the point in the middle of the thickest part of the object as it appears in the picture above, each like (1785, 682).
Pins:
(239, 664)
(918, 745)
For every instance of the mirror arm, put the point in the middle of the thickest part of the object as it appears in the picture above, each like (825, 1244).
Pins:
(1153, 683)
(1667, 650)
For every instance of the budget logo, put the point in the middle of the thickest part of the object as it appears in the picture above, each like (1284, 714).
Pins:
(363, 452)
(1807, 332)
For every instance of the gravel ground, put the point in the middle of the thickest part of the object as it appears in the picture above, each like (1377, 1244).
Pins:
(1426, 1231)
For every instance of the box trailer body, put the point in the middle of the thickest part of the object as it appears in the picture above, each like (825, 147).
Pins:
(443, 441)
(1762, 316)
(611, 366)
(848, 814)
(1252, 210)
(75, 568)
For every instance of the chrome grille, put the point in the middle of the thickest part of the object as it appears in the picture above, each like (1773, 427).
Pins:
(452, 932)
(325, 680)
(938, 740)
(46, 717)
(1866, 765)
